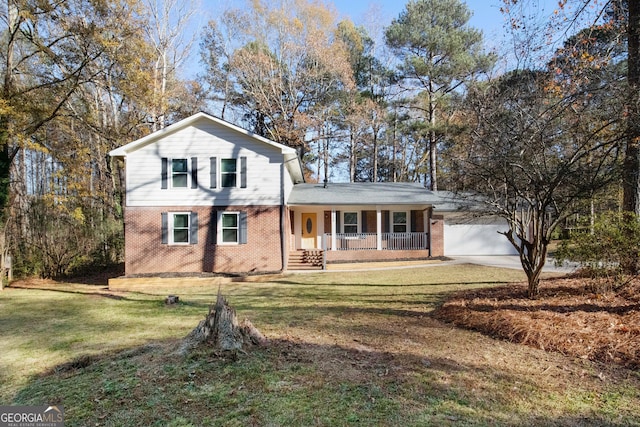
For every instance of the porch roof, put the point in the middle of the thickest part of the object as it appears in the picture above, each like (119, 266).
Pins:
(368, 193)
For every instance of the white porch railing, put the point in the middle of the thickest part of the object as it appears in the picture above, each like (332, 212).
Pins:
(368, 241)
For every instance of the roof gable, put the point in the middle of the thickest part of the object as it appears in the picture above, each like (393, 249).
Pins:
(290, 154)
(189, 121)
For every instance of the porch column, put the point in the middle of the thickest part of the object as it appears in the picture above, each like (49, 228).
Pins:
(378, 228)
(333, 229)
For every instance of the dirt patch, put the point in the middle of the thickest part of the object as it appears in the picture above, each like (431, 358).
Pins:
(569, 317)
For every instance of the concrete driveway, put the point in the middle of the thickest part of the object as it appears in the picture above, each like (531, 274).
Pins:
(511, 261)
(503, 261)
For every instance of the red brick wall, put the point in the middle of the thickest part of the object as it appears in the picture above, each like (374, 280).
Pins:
(437, 235)
(145, 253)
(372, 255)
(289, 234)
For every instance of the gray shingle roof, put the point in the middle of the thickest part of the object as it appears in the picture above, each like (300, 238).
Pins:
(369, 193)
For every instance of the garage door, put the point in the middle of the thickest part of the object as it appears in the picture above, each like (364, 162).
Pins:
(476, 239)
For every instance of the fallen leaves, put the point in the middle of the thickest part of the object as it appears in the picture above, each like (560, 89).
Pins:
(567, 318)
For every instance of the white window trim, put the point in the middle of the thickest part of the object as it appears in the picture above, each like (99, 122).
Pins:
(170, 229)
(220, 228)
(358, 221)
(170, 173)
(221, 173)
(407, 225)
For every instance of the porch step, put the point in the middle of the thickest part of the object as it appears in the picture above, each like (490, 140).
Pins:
(306, 259)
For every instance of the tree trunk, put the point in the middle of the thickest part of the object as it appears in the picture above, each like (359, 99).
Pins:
(352, 156)
(632, 154)
(375, 157)
(533, 260)
(631, 173)
(527, 236)
(433, 149)
(221, 330)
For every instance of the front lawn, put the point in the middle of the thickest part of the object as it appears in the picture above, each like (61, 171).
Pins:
(345, 349)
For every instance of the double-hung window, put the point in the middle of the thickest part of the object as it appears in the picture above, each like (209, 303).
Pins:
(228, 172)
(179, 173)
(231, 228)
(350, 224)
(399, 222)
(180, 228)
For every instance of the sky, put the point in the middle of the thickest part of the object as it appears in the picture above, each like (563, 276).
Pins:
(486, 14)
(379, 14)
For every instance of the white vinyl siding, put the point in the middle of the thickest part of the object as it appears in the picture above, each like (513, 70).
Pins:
(202, 142)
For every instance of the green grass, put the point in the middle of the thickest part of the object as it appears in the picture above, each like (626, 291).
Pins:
(345, 349)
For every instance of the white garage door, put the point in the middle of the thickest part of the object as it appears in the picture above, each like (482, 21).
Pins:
(476, 239)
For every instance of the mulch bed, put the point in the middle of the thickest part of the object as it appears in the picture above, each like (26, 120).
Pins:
(571, 316)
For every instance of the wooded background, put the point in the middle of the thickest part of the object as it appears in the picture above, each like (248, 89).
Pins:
(548, 128)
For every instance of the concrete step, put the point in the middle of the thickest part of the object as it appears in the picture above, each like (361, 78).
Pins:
(305, 260)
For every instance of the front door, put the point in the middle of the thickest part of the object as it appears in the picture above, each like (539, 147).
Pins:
(309, 230)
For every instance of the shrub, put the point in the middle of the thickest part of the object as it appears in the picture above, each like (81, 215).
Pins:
(609, 252)
(59, 240)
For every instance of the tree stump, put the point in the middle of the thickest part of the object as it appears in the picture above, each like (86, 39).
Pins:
(172, 299)
(221, 330)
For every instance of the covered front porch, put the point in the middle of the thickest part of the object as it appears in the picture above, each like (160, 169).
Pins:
(365, 222)
(358, 234)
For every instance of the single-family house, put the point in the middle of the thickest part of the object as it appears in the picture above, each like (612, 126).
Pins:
(204, 195)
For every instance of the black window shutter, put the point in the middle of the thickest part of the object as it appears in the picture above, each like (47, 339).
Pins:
(243, 172)
(194, 228)
(213, 227)
(414, 220)
(165, 228)
(163, 175)
(364, 226)
(338, 222)
(213, 175)
(194, 172)
(242, 239)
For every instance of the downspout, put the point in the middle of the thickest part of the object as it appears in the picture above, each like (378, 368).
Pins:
(430, 215)
(283, 242)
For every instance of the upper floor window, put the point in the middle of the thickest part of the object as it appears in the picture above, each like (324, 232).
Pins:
(179, 173)
(228, 172)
